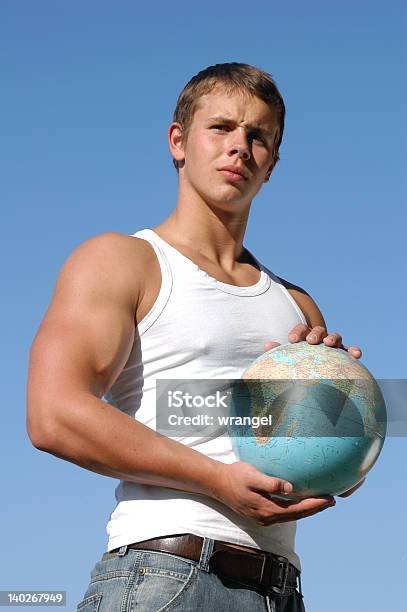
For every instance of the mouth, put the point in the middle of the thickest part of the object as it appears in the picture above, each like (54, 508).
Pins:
(234, 174)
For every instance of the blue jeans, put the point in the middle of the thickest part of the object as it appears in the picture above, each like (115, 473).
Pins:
(145, 581)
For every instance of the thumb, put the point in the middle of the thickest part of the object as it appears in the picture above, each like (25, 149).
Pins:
(271, 344)
(272, 484)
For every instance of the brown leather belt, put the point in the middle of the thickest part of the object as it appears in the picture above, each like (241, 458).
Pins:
(254, 568)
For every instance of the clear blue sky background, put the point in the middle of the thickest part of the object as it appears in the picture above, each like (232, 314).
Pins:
(88, 90)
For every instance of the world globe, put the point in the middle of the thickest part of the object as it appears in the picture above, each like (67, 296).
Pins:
(310, 414)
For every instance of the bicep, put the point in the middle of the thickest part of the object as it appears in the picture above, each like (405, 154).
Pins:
(87, 332)
(80, 346)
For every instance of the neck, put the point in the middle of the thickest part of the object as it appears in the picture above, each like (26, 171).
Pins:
(214, 231)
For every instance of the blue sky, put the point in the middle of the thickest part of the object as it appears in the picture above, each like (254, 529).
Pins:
(88, 91)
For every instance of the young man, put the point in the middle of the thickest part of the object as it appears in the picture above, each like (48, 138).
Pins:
(194, 529)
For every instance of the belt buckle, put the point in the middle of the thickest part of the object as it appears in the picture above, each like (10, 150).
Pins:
(283, 568)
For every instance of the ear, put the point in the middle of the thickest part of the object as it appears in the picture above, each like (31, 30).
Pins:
(175, 141)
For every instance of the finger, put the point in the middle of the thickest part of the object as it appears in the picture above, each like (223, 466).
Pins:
(333, 339)
(262, 483)
(309, 508)
(355, 351)
(316, 335)
(304, 505)
(311, 512)
(310, 504)
(270, 484)
(298, 333)
(277, 485)
(271, 344)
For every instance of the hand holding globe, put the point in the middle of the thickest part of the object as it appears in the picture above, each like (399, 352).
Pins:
(316, 335)
(255, 495)
(329, 418)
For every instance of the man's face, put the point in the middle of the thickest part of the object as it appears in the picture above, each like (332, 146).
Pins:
(235, 130)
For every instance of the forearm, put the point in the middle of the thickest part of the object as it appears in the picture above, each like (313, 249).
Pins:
(94, 435)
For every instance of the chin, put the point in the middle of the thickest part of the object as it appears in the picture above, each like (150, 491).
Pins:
(226, 197)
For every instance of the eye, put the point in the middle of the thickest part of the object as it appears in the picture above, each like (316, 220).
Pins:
(222, 128)
(257, 137)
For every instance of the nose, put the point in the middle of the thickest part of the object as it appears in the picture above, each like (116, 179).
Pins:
(240, 146)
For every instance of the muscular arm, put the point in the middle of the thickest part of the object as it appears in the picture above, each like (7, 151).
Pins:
(81, 346)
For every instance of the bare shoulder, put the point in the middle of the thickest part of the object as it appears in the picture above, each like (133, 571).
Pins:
(111, 260)
(306, 303)
(112, 249)
(89, 324)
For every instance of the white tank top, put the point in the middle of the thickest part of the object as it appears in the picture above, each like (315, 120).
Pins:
(198, 328)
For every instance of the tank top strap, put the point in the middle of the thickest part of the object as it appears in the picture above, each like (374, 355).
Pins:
(166, 282)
